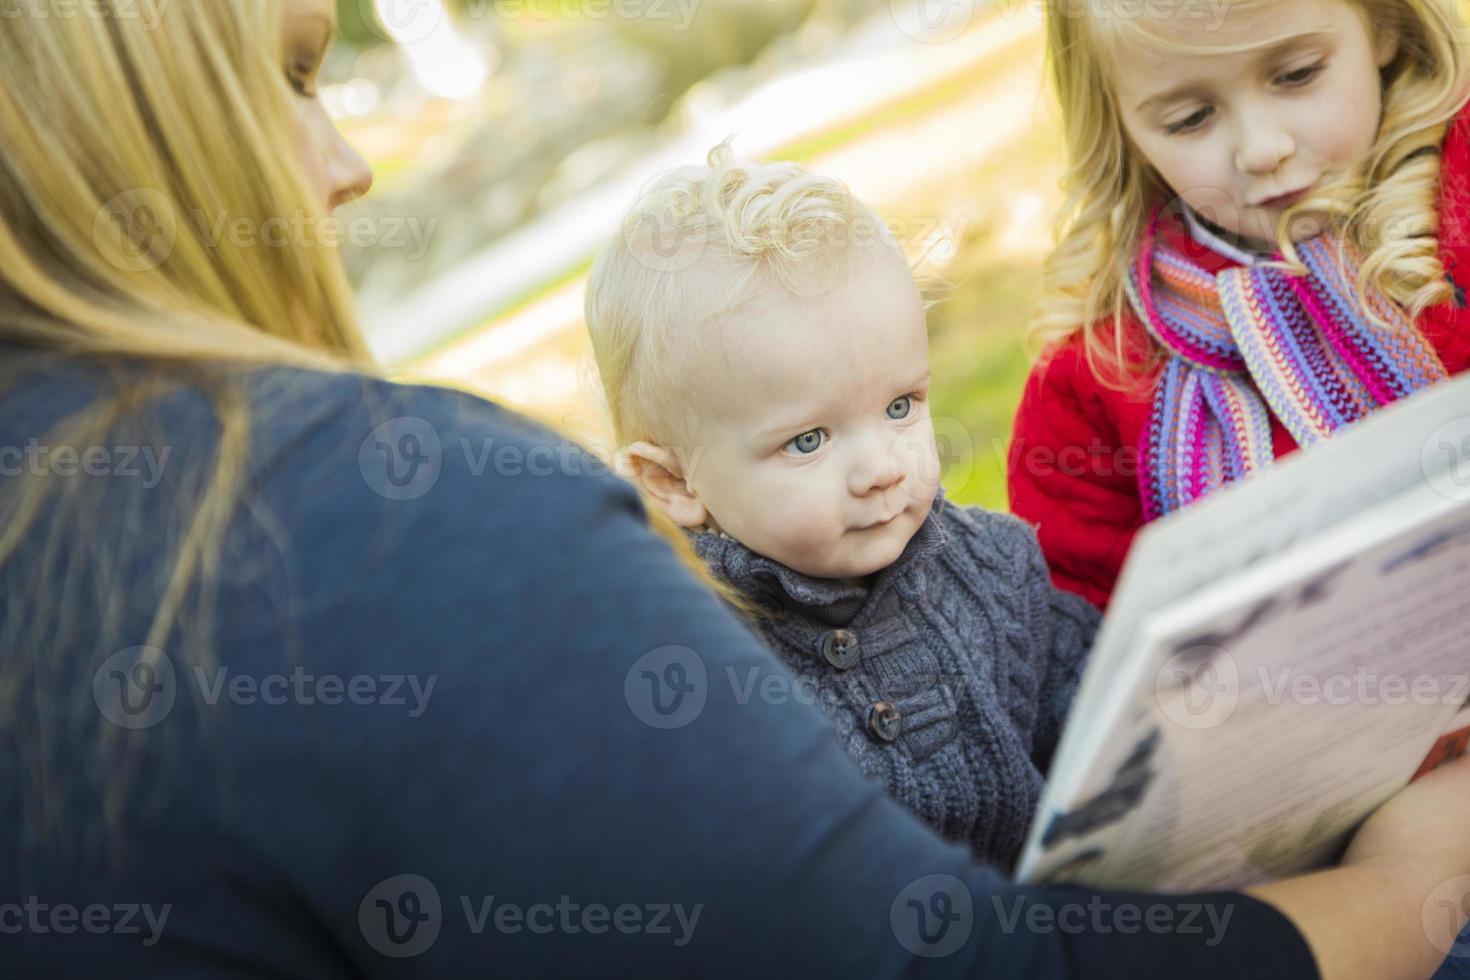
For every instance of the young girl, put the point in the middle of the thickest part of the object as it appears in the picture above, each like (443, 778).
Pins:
(1266, 226)
(763, 350)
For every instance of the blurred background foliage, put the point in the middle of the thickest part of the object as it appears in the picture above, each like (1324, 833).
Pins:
(494, 127)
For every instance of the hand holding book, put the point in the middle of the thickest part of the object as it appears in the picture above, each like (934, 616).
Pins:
(1401, 896)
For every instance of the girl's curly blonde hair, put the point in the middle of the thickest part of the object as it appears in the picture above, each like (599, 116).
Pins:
(1388, 208)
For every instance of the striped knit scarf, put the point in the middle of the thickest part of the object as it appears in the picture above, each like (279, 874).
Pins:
(1248, 343)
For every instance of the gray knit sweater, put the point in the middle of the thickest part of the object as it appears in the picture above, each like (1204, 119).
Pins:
(948, 679)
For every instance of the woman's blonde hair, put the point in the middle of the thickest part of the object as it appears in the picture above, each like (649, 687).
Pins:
(699, 242)
(131, 140)
(1389, 208)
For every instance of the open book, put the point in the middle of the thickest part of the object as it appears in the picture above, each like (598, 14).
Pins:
(1277, 661)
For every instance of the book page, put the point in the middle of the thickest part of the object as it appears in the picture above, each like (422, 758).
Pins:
(1262, 720)
(1423, 440)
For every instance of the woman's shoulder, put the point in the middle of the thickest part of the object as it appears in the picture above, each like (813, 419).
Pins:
(349, 467)
(362, 477)
(291, 405)
(388, 442)
(301, 421)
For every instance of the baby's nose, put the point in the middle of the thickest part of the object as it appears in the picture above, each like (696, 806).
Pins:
(884, 470)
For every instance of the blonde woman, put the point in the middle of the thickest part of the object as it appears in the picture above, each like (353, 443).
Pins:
(1265, 241)
(317, 692)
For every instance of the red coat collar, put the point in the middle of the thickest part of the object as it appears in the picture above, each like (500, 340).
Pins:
(1174, 233)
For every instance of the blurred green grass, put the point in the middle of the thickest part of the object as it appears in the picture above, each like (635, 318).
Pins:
(980, 366)
(978, 328)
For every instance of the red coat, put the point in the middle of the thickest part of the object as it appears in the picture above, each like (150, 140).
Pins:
(1073, 465)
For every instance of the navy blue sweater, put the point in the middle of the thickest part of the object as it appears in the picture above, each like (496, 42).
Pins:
(457, 711)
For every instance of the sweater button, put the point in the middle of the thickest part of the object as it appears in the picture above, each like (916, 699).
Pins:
(840, 649)
(884, 721)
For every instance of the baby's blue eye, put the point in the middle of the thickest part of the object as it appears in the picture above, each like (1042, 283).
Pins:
(900, 407)
(807, 442)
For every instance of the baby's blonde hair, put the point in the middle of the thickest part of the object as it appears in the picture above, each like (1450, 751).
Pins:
(1389, 208)
(699, 242)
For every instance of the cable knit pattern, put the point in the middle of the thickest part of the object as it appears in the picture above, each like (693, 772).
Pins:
(967, 640)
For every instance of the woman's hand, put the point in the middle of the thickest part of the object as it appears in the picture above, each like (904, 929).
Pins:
(1425, 822)
(1402, 892)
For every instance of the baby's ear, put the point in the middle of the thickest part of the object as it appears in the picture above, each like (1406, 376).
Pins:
(656, 471)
